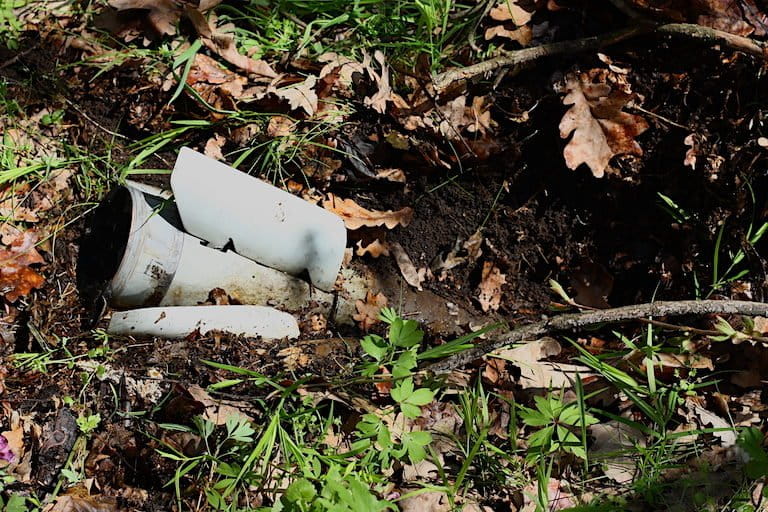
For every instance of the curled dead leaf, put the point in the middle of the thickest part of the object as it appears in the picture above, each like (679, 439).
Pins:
(601, 130)
(355, 216)
(213, 147)
(412, 276)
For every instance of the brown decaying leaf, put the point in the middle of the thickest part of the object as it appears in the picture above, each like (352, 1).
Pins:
(355, 216)
(600, 128)
(16, 277)
(80, 501)
(213, 147)
(393, 175)
(412, 276)
(368, 311)
(375, 248)
(216, 86)
(223, 44)
(522, 35)
(508, 10)
(280, 126)
(535, 372)
(489, 290)
(217, 411)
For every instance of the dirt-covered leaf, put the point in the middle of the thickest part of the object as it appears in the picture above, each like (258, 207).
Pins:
(16, 277)
(600, 128)
(355, 216)
(489, 290)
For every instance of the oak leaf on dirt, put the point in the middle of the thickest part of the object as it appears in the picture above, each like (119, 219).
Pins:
(16, 277)
(601, 130)
(355, 216)
(489, 290)
(368, 311)
(222, 42)
(375, 249)
(162, 15)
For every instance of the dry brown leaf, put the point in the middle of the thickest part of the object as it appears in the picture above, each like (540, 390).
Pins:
(280, 126)
(299, 96)
(217, 411)
(474, 245)
(213, 147)
(394, 175)
(223, 43)
(535, 373)
(215, 85)
(378, 101)
(522, 35)
(412, 276)
(508, 10)
(614, 442)
(432, 501)
(368, 312)
(355, 216)
(342, 66)
(489, 290)
(375, 249)
(82, 502)
(600, 128)
(16, 277)
(740, 17)
(559, 498)
(480, 115)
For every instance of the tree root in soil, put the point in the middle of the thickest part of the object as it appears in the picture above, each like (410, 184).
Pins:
(604, 316)
(454, 77)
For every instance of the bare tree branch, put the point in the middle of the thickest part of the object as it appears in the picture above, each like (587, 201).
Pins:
(575, 321)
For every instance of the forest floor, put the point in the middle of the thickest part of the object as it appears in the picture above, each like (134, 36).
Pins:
(497, 164)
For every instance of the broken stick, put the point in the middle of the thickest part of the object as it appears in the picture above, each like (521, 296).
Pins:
(603, 316)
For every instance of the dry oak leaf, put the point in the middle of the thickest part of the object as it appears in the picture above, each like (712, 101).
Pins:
(213, 147)
(221, 41)
(522, 35)
(600, 128)
(280, 126)
(508, 10)
(355, 216)
(16, 277)
(375, 248)
(368, 312)
(489, 290)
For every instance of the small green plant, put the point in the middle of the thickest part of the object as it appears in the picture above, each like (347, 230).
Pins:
(560, 425)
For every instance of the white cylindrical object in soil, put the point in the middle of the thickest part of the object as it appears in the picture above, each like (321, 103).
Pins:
(181, 321)
(163, 266)
(151, 254)
(270, 226)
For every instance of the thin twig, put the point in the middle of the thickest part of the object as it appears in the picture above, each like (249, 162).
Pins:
(590, 318)
(445, 80)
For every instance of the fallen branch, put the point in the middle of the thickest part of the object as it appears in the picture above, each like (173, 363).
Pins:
(445, 80)
(604, 316)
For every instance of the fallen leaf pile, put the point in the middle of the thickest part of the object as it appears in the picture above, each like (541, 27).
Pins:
(598, 126)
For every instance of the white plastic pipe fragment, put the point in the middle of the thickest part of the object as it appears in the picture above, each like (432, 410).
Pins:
(181, 321)
(263, 223)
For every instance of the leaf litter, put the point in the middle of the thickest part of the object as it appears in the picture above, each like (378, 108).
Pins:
(411, 139)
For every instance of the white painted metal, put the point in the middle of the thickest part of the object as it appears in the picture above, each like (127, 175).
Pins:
(181, 321)
(270, 226)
